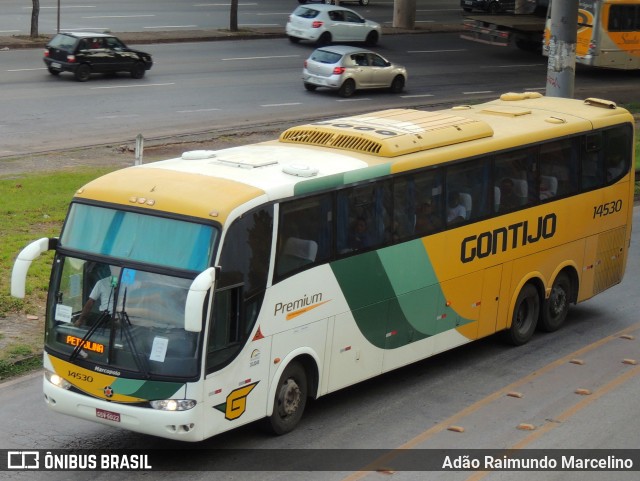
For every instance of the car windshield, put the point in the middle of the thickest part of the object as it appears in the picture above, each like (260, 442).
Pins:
(324, 56)
(306, 12)
(123, 318)
(63, 42)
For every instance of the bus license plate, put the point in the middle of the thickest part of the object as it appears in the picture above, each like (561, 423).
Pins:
(108, 415)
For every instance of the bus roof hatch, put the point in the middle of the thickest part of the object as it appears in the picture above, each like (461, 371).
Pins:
(390, 133)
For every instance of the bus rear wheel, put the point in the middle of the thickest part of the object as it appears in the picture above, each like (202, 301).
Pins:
(290, 399)
(555, 309)
(525, 316)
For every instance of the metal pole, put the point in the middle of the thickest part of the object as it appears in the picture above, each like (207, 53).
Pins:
(561, 66)
(58, 25)
(139, 149)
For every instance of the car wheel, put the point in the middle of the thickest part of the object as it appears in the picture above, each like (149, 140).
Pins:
(372, 38)
(397, 85)
(347, 88)
(310, 87)
(325, 39)
(293, 39)
(83, 72)
(364, 3)
(54, 72)
(138, 70)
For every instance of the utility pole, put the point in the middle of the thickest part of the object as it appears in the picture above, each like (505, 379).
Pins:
(404, 13)
(561, 66)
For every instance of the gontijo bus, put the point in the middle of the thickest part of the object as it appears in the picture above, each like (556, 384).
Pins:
(197, 294)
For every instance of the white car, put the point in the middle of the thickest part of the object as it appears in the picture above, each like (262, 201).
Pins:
(324, 24)
(347, 69)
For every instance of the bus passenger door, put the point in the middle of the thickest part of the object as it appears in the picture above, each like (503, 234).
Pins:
(354, 356)
(491, 287)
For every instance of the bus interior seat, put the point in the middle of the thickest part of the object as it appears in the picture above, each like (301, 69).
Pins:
(467, 202)
(521, 190)
(551, 184)
(297, 253)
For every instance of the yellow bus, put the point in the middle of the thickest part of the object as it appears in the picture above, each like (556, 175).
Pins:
(194, 295)
(608, 34)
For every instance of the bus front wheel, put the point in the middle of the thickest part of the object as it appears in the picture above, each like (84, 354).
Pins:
(525, 316)
(290, 399)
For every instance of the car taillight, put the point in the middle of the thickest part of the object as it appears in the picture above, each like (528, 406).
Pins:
(71, 58)
(46, 53)
(316, 24)
(338, 70)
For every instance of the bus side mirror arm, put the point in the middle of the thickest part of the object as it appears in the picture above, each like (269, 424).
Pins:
(23, 262)
(196, 296)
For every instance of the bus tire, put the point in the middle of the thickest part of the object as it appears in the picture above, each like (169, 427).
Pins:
(290, 399)
(555, 309)
(525, 316)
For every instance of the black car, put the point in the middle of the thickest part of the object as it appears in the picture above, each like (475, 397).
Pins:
(84, 53)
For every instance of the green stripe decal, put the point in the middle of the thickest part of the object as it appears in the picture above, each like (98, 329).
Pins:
(394, 295)
(338, 180)
(150, 390)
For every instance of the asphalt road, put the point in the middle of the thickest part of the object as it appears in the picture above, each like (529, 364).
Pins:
(236, 85)
(486, 388)
(143, 15)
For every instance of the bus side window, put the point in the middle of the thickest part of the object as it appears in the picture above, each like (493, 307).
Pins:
(244, 268)
(515, 176)
(468, 194)
(305, 234)
(618, 142)
(558, 168)
(592, 175)
(364, 217)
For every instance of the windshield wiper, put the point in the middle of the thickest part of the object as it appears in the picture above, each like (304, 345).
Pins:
(125, 323)
(104, 316)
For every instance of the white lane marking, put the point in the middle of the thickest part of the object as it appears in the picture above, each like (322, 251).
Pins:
(171, 26)
(131, 86)
(26, 69)
(354, 100)
(118, 16)
(478, 92)
(437, 51)
(195, 111)
(262, 58)
(416, 96)
(110, 117)
(282, 105)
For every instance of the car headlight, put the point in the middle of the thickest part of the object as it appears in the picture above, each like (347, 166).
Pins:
(173, 404)
(56, 380)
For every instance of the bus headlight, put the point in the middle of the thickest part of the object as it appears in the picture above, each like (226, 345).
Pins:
(56, 380)
(173, 404)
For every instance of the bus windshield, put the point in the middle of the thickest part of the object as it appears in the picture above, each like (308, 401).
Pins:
(126, 319)
(139, 237)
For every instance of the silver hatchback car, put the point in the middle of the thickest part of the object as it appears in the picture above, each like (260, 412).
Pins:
(347, 69)
(325, 24)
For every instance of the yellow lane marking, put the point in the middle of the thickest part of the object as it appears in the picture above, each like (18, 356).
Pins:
(455, 419)
(586, 401)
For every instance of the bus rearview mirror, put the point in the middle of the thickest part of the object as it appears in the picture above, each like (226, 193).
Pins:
(196, 296)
